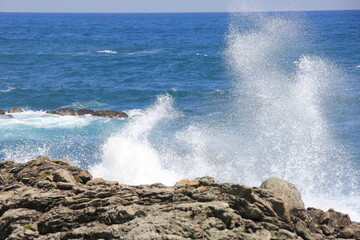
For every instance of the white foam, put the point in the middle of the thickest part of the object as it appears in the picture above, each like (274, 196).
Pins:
(129, 157)
(8, 89)
(39, 119)
(358, 66)
(107, 51)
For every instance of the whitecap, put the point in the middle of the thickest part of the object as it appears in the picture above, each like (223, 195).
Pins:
(8, 89)
(39, 119)
(89, 104)
(107, 51)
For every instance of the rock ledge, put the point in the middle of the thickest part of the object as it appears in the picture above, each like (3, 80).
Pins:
(52, 199)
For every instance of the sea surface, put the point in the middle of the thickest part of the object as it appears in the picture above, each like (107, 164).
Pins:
(240, 97)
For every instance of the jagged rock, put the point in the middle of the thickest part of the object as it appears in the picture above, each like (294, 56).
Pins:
(15, 110)
(110, 114)
(64, 112)
(2, 112)
(52, 199)
(286, 191)
(81, 112)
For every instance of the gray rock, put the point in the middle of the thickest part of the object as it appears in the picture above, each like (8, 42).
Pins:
(64, 112)
(286, 191)
(82, 112)
(110, 114)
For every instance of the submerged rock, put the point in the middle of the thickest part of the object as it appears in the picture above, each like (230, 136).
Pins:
(52, 199)
(15, 110)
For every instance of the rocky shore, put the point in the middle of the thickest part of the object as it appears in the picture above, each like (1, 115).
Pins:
(52, 199)
(73, 112)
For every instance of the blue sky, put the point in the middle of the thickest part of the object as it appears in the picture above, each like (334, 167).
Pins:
(171, 5)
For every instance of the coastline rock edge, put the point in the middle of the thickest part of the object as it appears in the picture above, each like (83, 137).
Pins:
(52, 199)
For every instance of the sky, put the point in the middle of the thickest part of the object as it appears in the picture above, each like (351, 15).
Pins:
(173, 5)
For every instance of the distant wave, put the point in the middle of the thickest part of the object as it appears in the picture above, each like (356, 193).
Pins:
(358, 66)
(90, 104)
(9, 89)
(143, 52)
(107, 51)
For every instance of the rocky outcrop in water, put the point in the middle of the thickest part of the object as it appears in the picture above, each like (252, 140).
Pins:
(52, 199)
(2, 112)
(81, 112)
(15, 110)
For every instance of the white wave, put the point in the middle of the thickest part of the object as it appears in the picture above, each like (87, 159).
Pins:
(144, 52)
(129, 157)
(39, 119)
(89, 104)
(8, 89)
(107, 51)
(358, 66)
(201, 54)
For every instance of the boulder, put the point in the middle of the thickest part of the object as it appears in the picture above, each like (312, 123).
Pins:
(15, 110)
(110, 114)
(2, 112)
(82, 112)
(286, 191)
(64, 112)
(61, 175)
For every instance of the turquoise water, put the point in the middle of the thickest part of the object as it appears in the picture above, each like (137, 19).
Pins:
(240, 98)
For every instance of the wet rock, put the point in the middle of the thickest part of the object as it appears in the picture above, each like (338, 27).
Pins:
(110, 114)
(63, 112)
(15, 110)
(82, 112)
(2, 112)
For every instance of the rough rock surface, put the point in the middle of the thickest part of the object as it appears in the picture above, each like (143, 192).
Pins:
(110, 113)
(51, 199)
(2, 112)
(15, 110)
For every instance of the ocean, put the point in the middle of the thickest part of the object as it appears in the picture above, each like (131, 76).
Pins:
(239, 97)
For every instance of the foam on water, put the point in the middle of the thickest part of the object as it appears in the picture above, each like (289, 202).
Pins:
(8, 89)
(107, 51)
(39, 119)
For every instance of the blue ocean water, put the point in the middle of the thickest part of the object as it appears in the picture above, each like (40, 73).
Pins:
(237, 97)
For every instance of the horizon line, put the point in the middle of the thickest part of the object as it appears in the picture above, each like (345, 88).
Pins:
(314, 10)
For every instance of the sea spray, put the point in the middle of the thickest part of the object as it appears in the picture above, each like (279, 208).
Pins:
(284, 107)
(129, 156)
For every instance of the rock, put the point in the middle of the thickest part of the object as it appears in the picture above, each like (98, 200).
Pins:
(286, 191)
(52, 199)
(15, 110)
(82, 112)
(2, 112)
(110, 114)
(62, 175)
(64, 112)
(63, 161)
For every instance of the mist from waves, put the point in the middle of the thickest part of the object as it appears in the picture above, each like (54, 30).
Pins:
(274, 125)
